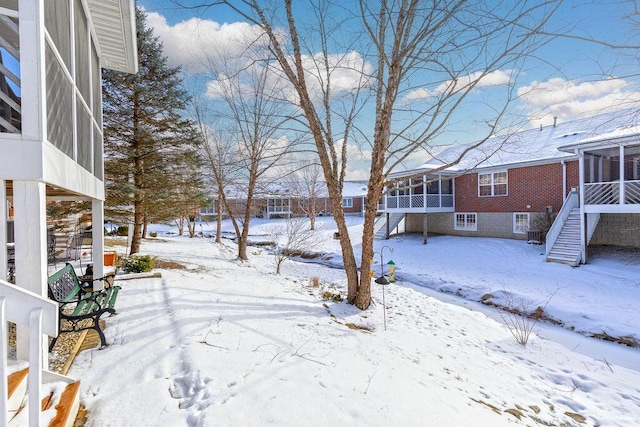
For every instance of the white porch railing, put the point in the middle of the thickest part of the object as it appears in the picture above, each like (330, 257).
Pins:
(609, 193)
(278, 209)
(632, 192)
(40, 315)
(419, 201)
(571, 202)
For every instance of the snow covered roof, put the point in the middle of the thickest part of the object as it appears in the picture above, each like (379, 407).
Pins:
(283, 190)
(540, 145)
(354, 189)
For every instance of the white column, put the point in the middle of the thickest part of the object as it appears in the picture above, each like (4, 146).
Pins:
(622, 195)
(583, 240)
(29, 198)
(32, 69)
(97, 228)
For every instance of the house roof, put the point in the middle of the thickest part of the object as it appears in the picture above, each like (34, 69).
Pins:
(535, 146)
(115, 25)
(283, 190)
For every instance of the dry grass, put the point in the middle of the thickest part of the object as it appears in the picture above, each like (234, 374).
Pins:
(168, 265)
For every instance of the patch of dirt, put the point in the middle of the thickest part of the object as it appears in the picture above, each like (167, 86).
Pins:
(625, 340)
(168, 265)
(112, 241)
(539, 314)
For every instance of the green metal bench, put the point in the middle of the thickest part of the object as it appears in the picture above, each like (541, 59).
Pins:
(80, 309)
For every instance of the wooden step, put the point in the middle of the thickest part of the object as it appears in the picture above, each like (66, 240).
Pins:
(17, 389)
(62, 415)
(67, 407)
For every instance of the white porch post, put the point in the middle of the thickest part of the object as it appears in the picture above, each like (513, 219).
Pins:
(622, 195)
(97, 240)
(32, 69)
(3, 230)
(29, 199)
(583, 240)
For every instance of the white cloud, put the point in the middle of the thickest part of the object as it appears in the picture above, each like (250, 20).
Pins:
(198, 45)
(568, 99)
(195, 42)
(494, 78)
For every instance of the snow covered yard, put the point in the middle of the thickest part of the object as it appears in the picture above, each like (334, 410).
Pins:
(229, 343)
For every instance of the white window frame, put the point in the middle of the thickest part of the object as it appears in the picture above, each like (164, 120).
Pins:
(493, 183)
(347, 202)
(469, 225)
(516, 228)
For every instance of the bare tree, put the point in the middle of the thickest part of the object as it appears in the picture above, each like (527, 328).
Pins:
(291, 240)
(307, 188)
(426, 59)
(255, 114)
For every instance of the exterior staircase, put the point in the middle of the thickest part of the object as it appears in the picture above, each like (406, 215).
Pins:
(30, 395)
(381, 225)
(567, 248)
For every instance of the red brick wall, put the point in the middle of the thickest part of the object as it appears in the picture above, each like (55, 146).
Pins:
(357, 206)
(537, 186)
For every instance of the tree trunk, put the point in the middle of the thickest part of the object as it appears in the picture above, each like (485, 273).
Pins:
(219, 219)
(137, 228)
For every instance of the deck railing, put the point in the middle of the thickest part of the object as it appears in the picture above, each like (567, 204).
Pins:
(632, 192)
(608, 193)
(40, 315)
(10, 101)
(419, 201)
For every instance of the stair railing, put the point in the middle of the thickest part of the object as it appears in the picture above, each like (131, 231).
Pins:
(40, 315)
(571, 202)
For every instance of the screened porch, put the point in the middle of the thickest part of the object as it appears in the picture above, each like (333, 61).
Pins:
(428, 193)
(612, 185)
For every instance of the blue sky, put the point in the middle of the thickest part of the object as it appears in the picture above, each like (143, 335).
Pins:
(569, 78)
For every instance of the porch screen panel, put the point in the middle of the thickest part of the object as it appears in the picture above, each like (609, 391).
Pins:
(59, 104)
(81, 35)
(58, 25)
(96, 85)
(9, 4)
(98, 168)
(83, 122)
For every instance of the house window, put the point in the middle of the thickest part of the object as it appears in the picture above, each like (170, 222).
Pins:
(520, 222)
(347, 202)
(492, 184)
(465, 221)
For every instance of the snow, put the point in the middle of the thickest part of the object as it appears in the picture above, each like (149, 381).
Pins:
(225, 342)
(537, 145)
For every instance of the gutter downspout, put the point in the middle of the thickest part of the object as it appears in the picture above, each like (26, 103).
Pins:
(564, 180)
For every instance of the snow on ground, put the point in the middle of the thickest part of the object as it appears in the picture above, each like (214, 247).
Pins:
(226, 342)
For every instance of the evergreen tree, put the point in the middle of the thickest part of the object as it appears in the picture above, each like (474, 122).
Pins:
(151, 151)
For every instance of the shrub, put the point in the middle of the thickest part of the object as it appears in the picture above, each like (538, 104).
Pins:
(153, 234)
(123, 230)
(138, 264)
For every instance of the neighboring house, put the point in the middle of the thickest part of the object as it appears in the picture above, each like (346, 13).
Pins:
(281, 200)
(51, 134)
(499, 188)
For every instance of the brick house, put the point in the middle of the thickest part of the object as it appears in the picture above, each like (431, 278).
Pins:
(281, 200)
(503, 187)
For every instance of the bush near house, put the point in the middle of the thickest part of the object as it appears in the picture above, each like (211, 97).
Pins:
(138, 264)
